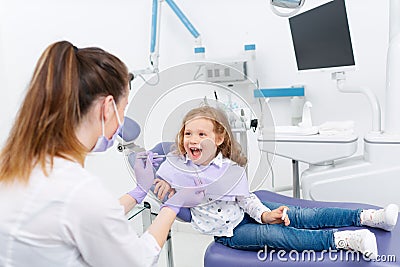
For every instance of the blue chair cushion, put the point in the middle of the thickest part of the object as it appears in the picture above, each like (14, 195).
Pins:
(218, 255)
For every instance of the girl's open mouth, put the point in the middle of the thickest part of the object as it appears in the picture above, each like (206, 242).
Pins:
(195, 153)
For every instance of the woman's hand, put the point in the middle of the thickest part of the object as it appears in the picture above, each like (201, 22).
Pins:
(162, 188)
(275, 216)
(144, 174)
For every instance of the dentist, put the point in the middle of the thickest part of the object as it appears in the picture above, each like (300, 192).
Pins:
(52, 211)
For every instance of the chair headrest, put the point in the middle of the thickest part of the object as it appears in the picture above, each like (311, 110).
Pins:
(130, 130)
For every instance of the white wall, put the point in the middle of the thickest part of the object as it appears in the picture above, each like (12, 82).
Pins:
(123, 28)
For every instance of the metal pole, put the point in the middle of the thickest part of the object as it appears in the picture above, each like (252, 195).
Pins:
(296, 179)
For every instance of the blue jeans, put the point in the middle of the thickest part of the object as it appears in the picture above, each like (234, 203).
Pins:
(303, 233)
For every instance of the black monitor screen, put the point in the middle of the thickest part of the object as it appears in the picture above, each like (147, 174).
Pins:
(321, 37)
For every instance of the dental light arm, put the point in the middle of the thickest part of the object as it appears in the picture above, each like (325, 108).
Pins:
(183, 19)
(155, 33)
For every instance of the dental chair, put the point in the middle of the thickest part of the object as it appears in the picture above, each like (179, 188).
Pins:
(218, 255)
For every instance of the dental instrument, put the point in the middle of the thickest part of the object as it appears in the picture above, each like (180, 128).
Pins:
(155, 156)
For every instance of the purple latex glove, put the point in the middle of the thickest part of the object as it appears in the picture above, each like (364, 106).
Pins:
(186, 197)
(143, 168)
(155, 161)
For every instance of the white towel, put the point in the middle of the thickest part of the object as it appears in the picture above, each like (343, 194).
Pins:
(337, 127)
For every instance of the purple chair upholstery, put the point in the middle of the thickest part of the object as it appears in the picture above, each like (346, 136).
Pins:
(218, 255)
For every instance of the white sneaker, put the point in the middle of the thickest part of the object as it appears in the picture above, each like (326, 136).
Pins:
(363, 241)
(385, 219)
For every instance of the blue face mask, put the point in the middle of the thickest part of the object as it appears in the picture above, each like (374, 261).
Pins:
(103, 143)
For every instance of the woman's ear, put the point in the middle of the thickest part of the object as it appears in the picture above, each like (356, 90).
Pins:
(108, 107)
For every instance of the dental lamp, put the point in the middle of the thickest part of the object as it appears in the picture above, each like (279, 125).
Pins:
(293, 5)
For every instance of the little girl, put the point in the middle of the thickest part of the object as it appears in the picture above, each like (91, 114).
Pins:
(207, 153)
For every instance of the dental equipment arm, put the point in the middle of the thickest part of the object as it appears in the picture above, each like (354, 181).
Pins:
(376, 109)
(155, 34)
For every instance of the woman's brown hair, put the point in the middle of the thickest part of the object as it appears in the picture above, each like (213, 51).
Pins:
(64, 85)
(229, 148)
